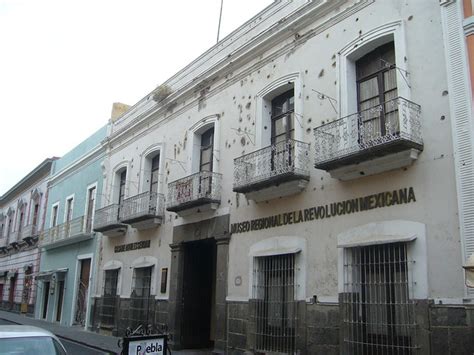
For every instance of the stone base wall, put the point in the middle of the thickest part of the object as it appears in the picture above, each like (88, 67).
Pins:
(452, 329)
(157, 315)
(237, 320)
(441, 329)
(16, 307)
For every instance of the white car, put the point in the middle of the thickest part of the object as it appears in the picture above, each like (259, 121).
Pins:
(25, 339)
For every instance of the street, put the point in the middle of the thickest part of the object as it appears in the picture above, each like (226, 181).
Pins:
(71, 347)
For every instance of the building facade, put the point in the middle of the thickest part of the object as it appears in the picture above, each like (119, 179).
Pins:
(22, 213)
(69, 244)
(299, 188)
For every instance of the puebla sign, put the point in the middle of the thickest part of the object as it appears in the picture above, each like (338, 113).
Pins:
(359, 204)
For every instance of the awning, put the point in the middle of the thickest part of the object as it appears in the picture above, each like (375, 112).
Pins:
(376, 239)
(112, 265)
(47, 275)
(12, 273)
(278, 251)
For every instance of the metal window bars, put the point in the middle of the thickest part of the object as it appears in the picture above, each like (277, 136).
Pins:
(275, 312)
(108, 306)
(142, 304)
(377, 308)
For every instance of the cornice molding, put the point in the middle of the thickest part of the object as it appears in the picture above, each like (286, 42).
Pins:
(287, 27)
(78, 164)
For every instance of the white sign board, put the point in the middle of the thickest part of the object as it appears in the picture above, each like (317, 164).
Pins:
(151, 346)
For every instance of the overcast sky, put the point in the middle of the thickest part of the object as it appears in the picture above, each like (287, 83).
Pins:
(63, 63)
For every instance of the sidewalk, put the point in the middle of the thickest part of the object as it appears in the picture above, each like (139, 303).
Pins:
(78, 335)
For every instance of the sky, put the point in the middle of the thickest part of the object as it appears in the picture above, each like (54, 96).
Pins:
(64, 62)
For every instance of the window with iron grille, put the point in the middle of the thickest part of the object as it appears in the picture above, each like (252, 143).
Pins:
(141, 306)
(275, 303)
(378, 309)
(109, 300)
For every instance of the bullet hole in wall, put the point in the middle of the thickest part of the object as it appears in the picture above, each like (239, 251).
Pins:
(334, 64)
(333, 57)
(445, 93)
(321, 73)
(264, 127)
(443, 118)
(248, 105)
(306, 71)
(410, 18)
(357, 19)
(268, 76)
(309, 120)
(308, 130)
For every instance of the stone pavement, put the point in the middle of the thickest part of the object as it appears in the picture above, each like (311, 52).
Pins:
(75, 334)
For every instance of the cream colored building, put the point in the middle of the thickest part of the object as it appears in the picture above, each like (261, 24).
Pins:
(295, 188)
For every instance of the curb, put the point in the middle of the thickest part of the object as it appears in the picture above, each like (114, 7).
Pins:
(69, 339)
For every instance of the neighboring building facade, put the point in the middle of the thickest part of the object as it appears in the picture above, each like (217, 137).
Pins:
(69, 244)
(298, 188)
(22, 213)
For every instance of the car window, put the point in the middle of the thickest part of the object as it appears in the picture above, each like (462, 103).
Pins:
(28, 345)
(59, 348)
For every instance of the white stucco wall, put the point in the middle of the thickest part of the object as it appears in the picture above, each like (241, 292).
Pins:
(307, 50)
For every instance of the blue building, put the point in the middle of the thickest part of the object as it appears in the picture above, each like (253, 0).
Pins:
(69, 244)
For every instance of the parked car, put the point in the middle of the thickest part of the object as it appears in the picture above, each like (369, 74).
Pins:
(25, 339)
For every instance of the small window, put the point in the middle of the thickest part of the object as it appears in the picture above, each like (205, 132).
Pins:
(69, 205)
(142, 282)
(121, 192)
(376, 90)
(155, 166)
(54, 217)
(164, 279)
(35, 214)
(207, 147)
(283, 108)
(108, 309)
(378, 316)
(274, 295)
(90, 207)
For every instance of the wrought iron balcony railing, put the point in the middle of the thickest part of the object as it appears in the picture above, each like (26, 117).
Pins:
(383, 129)
(281, 162)
(70, 230)
(30, 230)
(194, 190)
(107, 218)
(142, 206)
(13, 237)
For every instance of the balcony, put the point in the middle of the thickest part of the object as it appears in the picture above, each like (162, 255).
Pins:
(194, 193)
(30, 232)
(107, 221)
(74, 231)
(143, 211)
(382, 138)
(275, 171)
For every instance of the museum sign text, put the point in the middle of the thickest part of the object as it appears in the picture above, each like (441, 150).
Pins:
(360, 204)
